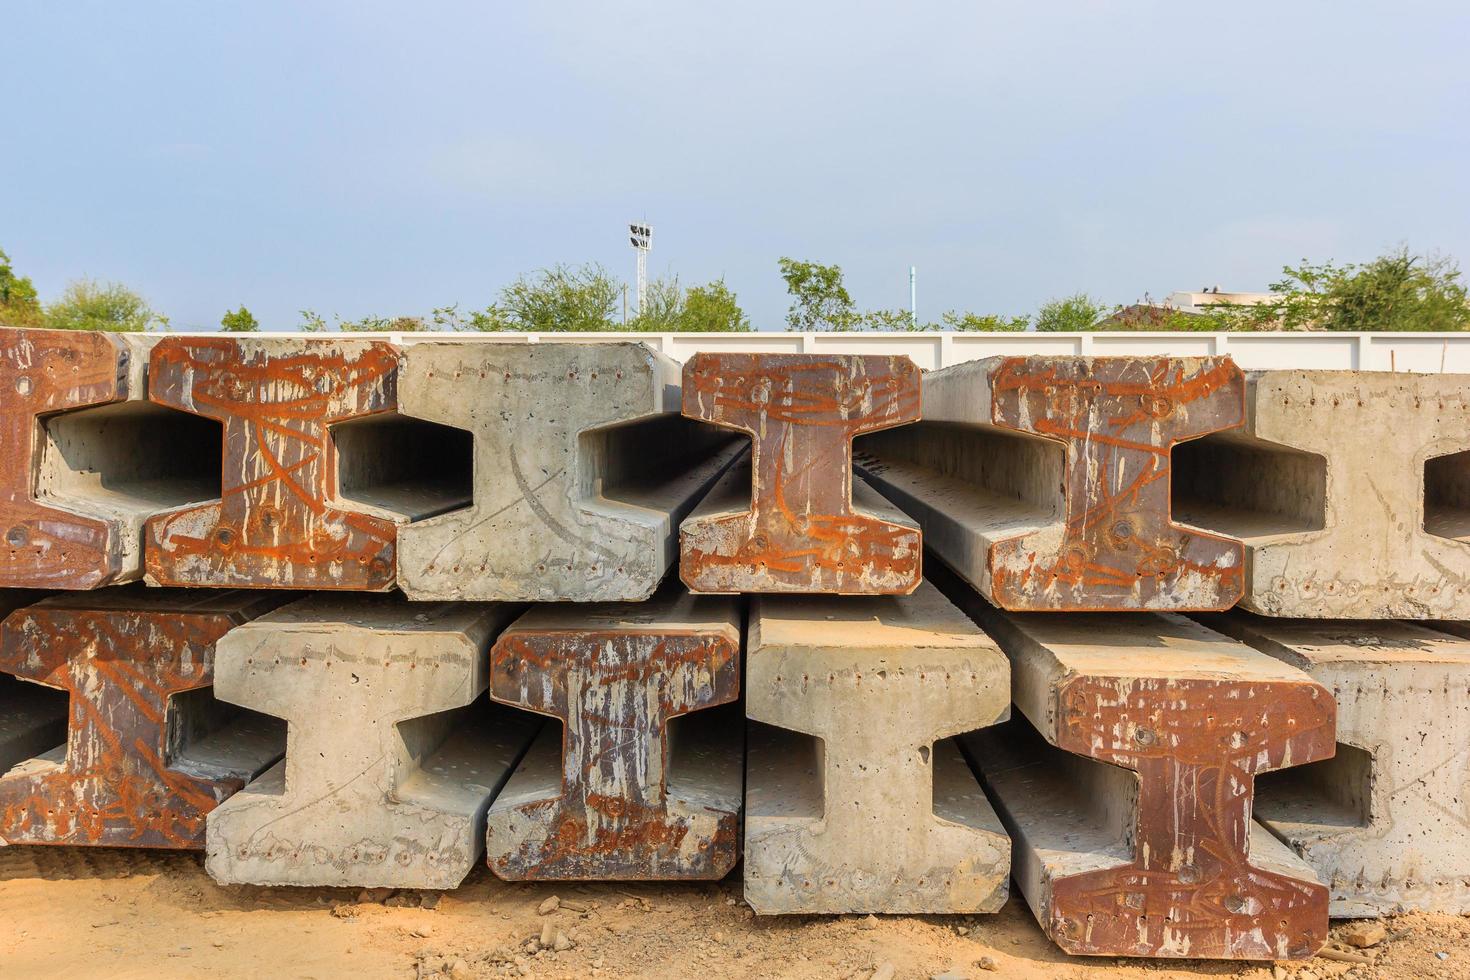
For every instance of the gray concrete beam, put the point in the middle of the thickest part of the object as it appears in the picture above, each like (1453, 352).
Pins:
(388, 771)
(1350, 490)
(583, 470)
(1044, 481)
(793, 519)
(642, 777)
(1384, 822)
(873, 810)
(1128, 795)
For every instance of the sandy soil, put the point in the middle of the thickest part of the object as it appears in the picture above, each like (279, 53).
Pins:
(112, 913)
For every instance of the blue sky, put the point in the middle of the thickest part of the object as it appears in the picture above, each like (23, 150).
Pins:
(373, 158)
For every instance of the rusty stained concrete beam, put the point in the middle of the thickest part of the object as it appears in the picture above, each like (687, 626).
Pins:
(857, 798)
(1386, 821)
(642, 778)
(792, 519)
(1350, 490)
(32, 716)
(392, 754)
(1127, 787)
(1044, 481)
(281, 519)
(582, 471)
(148, 752)
(63, 526)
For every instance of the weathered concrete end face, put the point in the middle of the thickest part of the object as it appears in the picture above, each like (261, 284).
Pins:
(1045, 480)
(874, 809)
(387, 776)
(281, 520)
(1165, 860)
(1350, 489)
(619, 790)
(54, 536)
(582, 471)
(794, 520)
(148, 752)
(1384, 821)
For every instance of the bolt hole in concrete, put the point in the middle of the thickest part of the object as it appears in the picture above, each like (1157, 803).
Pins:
(130, 459)
(1447, 496)
(403, 467)
(1248, 488)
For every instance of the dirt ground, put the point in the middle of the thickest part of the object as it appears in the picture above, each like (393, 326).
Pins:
(113, 913)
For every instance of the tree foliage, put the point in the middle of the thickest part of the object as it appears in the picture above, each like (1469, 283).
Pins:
(19, 306)
(561, 298)
(1394, 292)
(819, 299)
(239, 321)
(986, 322)
(713, 308)
(89, 304)
(1076, 312)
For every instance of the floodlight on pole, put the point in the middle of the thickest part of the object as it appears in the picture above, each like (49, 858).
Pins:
(640, 235)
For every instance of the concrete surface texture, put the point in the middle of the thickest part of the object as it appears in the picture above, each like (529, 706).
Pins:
(86, 460)
(387, 776)
(582, 471)
(147, 752)
(1350, 489)
(281, 519)
(638, 779)
(1386, 821)
(1045, 480)
(1129, 793)
(794, 520)
(857, 799)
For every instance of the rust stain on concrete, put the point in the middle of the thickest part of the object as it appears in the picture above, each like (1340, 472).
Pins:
(1118, 547)
(43, 372)
(801, 532)
(1197, 746)
(612, 814)
(279, 523)
(125, 777)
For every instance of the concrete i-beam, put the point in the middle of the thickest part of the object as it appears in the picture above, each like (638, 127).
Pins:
(582, 471)
(318, 473)
(639, 781)
(1350, 489)
(857, 798)
(793, 519)
(86, 459)
(1384, 822)
(1128, 795)
(148, 752)
(1044, 481)
(392, 756)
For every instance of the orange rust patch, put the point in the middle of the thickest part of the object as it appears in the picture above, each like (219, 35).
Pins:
(1118, 418)
(278, 523)
(801, 533)
(42, 372)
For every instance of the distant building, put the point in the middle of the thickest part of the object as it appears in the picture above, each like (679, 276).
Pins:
(1149, 315)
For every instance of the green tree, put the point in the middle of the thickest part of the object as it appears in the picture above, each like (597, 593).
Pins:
(87, 304)
(886, 321)
(19, 306)
(1396, 291)
(662, 308)
(712, 308)
(819, 300)
(1076, 312)
(561, 298)
(984, 322)
(239, 321)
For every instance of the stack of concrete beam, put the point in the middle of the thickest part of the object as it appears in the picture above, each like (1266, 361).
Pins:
(574, 611)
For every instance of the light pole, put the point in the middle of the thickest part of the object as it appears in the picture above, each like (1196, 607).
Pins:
(914, 296)
(641, 236)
